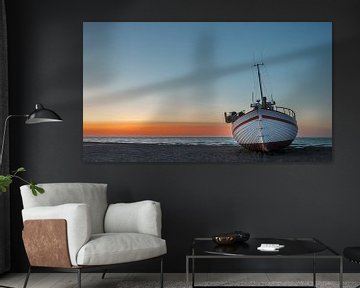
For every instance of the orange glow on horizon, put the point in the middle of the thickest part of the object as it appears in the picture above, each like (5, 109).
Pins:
(313, 130)
(156, 129)
(178, 129)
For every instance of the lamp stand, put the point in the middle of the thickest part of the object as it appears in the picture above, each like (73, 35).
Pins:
(4, 135)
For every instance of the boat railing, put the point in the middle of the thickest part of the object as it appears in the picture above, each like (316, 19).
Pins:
(286, 111)
(231, 117)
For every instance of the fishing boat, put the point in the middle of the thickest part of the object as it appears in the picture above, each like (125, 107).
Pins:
(267, 127)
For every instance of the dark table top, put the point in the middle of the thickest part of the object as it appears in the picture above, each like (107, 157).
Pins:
(293, 247)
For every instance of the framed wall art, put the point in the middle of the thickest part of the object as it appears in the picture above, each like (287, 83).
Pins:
(207, 92)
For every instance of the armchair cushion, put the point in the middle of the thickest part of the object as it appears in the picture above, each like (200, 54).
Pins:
(92, 194)
(78, 221)
(138, 217)
(113, 248)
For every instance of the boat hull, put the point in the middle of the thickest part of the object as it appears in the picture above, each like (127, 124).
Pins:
(265, 130)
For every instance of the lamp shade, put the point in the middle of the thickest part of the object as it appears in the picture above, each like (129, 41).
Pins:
(42, 115)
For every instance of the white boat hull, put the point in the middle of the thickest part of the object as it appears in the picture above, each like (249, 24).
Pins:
(264, 130)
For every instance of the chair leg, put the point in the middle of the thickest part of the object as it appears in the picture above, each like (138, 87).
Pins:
(103, 275)
(161, 273)
(79, 277)
(27, 277)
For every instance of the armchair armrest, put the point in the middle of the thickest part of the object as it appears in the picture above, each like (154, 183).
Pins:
(138, 217)
(78, 225)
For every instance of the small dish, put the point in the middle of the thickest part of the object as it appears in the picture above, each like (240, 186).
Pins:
(225, 239)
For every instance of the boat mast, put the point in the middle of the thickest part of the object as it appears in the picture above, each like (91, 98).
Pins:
(263, 99)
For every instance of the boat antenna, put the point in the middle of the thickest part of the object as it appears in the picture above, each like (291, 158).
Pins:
(263, 99)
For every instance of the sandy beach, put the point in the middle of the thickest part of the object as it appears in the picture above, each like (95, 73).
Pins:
(120, 152)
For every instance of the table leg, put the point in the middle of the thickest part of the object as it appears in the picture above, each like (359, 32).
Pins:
(341, 273)
(314, 271)
(193, 272)
(187, 272)
(193, 267)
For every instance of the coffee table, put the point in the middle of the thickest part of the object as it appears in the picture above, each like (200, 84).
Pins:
(294, 248)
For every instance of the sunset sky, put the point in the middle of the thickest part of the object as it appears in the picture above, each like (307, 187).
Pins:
(178, 78)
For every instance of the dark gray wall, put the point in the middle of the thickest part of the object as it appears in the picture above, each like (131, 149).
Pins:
(320, 200)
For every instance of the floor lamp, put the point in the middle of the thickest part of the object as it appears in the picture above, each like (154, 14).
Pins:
(39, 115)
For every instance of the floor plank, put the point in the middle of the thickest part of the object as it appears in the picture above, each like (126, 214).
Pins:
(115, 280)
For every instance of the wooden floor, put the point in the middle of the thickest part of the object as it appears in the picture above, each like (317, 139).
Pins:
(115, 280)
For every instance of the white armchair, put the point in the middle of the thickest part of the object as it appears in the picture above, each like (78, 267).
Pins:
(72, 228)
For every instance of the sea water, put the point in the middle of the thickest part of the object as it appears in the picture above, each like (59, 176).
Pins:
(300, 142)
